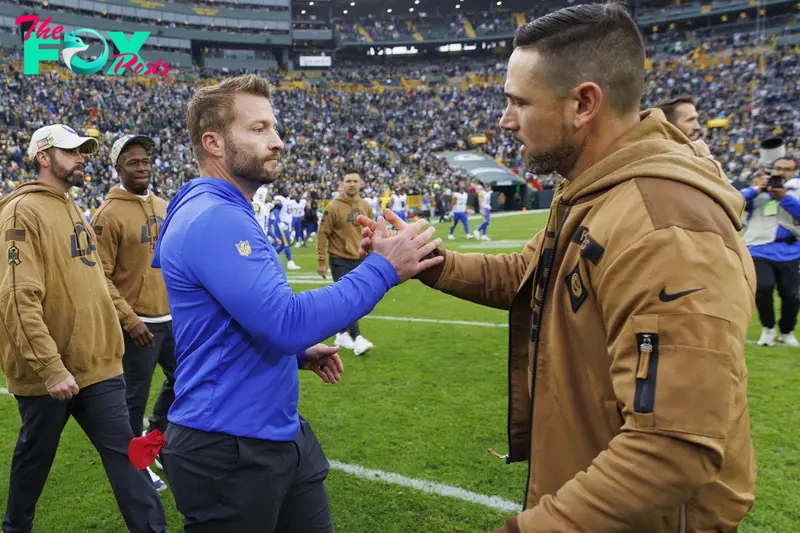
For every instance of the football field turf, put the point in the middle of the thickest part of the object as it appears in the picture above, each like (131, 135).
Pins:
(410, 422)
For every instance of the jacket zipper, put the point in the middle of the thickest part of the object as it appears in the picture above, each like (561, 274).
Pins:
(537, 333)
(683, 518)
(646, 371)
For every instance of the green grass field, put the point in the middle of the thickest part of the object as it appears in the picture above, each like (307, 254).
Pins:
(426, 403)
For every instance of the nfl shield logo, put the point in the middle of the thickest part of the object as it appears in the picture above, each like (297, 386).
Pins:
(244, 248)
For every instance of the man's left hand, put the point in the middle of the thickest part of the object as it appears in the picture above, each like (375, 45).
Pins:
(324, 361)
(512, 526)
(777, 192)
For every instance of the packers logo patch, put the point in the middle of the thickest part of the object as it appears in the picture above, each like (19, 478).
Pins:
(243, 248)
(575, 287)
(13, 255)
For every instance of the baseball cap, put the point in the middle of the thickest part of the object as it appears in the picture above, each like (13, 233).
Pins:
(60, 136)
(127, 140)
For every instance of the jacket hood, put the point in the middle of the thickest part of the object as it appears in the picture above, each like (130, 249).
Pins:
(656, 149)
(118, 193)
(344, 198)
(33, 187)
(217, 187)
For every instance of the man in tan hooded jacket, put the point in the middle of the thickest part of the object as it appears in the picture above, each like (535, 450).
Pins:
(629, 311)
(60, 342)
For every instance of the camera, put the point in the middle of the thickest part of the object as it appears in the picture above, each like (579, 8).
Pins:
(776, 181)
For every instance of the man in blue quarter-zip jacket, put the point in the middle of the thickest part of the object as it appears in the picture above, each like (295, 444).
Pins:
(239, 457)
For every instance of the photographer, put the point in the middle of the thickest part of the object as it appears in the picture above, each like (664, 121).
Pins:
(773, 230)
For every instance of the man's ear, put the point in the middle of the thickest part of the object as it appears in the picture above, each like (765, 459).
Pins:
(213, 143)
(588, 98)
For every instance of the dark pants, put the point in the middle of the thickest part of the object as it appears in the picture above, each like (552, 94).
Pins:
(138, 365)
(227, 484)
(339, 268)
(100, 410)
(786, 277)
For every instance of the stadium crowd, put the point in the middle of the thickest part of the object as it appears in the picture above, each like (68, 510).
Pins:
(390, 136)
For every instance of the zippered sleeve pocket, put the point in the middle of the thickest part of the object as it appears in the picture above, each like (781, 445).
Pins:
(646, 373)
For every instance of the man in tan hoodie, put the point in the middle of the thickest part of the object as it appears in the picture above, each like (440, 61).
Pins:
(127, 226)
(60, 342)
(629, 311)
(339, 237)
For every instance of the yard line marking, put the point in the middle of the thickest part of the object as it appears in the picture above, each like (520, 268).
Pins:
(430, 487)
(437, 321)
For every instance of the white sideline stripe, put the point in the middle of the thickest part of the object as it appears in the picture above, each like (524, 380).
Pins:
(494, 502)
(437, 321)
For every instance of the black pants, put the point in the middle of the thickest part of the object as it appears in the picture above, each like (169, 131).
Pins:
(138, 365)
(100, 410)
(786, 277)
(227, 484)
(339, 268)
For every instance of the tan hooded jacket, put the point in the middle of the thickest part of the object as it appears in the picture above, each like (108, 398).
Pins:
(339, 234)
(56, 314)
(627, 374)
(127, 229)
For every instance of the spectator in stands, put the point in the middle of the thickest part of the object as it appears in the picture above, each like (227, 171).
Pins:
(681, 112)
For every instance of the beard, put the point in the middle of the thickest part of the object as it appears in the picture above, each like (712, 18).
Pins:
(557, 159)
(250, 166)
(74, 176)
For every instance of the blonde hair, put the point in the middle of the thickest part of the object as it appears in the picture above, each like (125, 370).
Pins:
(211, 107)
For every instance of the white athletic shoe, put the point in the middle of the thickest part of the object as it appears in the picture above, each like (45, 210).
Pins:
(768, 337)
(477, 234)
(292, 266)
(157, 483)
(362, 345)
(789, 339)
(451, 237)
(344, 340)
(486, 238)
(298, 244)
(469, 235)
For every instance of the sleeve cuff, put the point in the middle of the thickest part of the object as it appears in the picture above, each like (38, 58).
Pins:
(300, 359)
(53, 374)
(383, 267)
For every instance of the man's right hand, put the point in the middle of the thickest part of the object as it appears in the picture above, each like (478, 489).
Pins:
(141, 335)
(322, 270)
(406, 249)
(760, 182)
(65, 390)
(368, 229)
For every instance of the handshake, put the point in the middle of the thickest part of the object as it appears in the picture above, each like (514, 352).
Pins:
(405, 247)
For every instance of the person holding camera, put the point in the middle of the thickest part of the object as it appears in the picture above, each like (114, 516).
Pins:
(772, 233)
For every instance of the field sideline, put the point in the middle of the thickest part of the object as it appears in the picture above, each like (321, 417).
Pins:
(424, 406)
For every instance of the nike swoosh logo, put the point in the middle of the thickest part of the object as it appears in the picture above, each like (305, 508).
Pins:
(664, 297)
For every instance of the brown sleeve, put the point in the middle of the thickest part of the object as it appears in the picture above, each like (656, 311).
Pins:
(324, 234)
(490, 280)
(680, 388)
(108, 240)
(22, 291)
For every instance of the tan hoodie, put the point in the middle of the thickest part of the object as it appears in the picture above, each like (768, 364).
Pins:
(127, 228)
(57, 316)
(628, 319)
(339, 234)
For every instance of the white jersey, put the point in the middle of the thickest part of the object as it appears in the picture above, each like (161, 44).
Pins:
(461, 202)
(297, 209)
(486, 199)
(399, 202)
(286, 203)
(373, 204)
(262, 208)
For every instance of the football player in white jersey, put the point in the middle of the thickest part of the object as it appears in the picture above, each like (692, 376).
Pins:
(279, 227)
(485, 208)
(458, 205)
(297, 209)
(262, 207)
(399, 203)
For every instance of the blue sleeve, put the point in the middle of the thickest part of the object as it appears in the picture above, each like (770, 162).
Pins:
(791, 205)
(749, 193)
(231, 258)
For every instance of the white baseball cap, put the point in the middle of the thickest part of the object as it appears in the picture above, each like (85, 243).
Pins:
(127, 140)
(60, 136)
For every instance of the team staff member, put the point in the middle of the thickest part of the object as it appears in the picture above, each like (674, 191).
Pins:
(60, 341)
(629, 312)
(340, 238)
(127, 226)
(239, 457)
(681, 112)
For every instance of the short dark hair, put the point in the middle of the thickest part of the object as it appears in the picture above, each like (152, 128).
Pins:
(350, 170)
(669, 106)
(590, 42)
